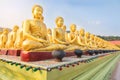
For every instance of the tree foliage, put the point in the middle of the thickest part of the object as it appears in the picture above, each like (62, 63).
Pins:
(110, 38)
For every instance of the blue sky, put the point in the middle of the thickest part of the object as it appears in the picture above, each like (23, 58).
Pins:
(99, 17)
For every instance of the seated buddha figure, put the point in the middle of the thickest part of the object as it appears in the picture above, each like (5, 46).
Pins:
(95, 41)
(58, 37)
(66, 33)
(49, 35)
(92, 43)
(87, 40)
(102, 44)
(12, 37)
(4, 38)
(105, 44)
(81, 39)
(19, 39)
(72, 38)
(99, 43)
(64, 28)
(34, 31)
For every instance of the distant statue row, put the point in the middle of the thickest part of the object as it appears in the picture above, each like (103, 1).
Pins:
(34, 36)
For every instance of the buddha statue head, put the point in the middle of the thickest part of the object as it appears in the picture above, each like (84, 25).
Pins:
(15, 28)
(5, 31)
(49, 31)
(92, 36)
(64, 28)
(72, 27)
(95, 38)
(37, 12)
(87, 34)
(82, 32)
(59, 22)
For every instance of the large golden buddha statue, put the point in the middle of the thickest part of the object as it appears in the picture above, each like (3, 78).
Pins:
(12, 37)
(3, 38)
(34, 31)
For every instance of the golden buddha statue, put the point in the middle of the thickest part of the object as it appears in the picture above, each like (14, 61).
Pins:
(3, 38)
(95, 41)
(34, 31)
(58, 37)
(66, 33)
(58, 33)
(64, 28)
(72, 38)
(49, 35)
(12, 37)
(81, 37)
(92, 43)
(101, 44)
(87, 39)
(19, 39)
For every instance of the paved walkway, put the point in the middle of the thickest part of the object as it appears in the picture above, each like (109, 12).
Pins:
(116, 72)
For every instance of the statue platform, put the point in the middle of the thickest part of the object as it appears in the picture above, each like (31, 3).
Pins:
(71, 68)
(3, 52)
(10, 52)
(32, 56)
(14, 52)
(36, 56)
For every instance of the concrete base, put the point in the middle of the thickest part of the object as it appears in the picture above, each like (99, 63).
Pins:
(3, 52)
(14, 52)
(36, 56)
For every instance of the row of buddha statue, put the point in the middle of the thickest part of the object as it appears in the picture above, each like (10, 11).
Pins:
(35, 36)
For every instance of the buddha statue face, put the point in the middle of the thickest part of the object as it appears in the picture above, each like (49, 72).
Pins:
(59, 21)
(82, 31)
(15, 28)
(73, 27)
(37, 11)
(49, 31)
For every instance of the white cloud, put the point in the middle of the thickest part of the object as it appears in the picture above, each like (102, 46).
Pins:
(94, 22)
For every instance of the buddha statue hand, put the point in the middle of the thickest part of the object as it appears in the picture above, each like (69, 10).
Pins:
(42, 40)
